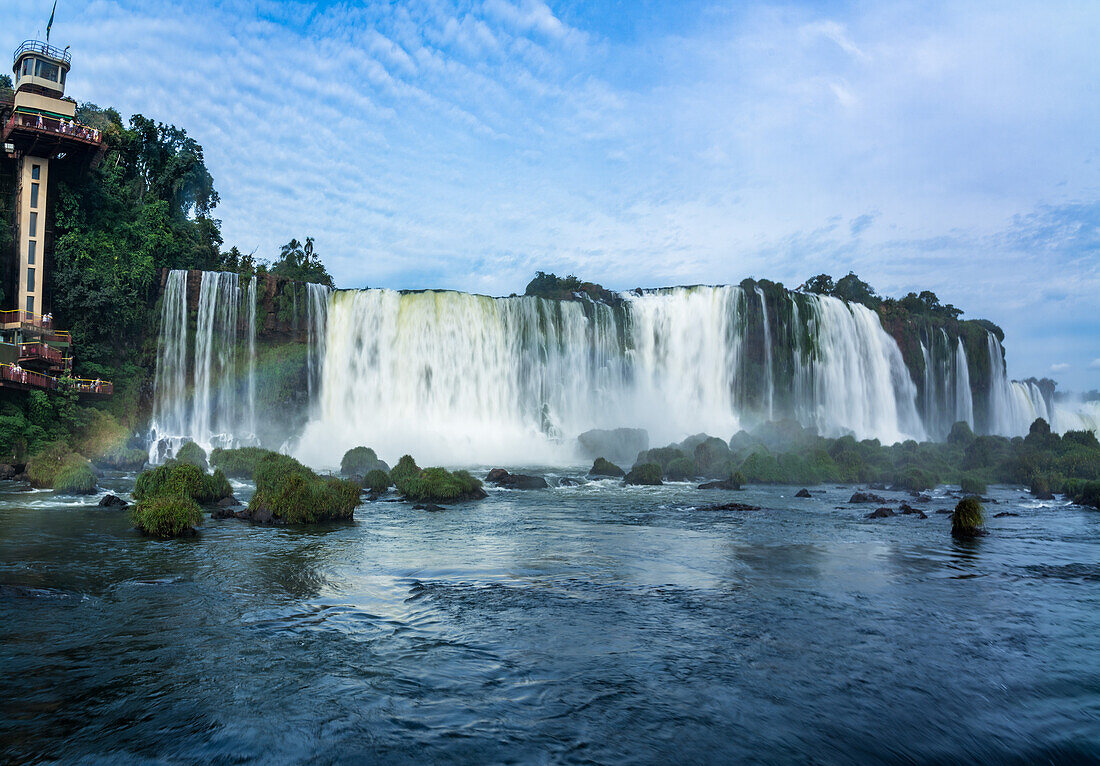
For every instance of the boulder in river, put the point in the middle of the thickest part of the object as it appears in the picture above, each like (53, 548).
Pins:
(618, 444)
(803, 493)
(731, 507)
(880, 513)
(112, 501)
(502, 478)
(866, 497)
(604, 467)
(721, 484)
(7, 472)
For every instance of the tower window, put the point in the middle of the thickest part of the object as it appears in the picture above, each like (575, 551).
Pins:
(46, 70)
(30, 304)
(30, 280)
(36, 171)
(34, 225)
(32, 247)
(34, 195)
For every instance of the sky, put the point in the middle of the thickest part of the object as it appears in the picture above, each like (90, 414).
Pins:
(943, 146)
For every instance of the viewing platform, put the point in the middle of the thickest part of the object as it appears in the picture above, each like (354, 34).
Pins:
(42, 134)
(14, 376)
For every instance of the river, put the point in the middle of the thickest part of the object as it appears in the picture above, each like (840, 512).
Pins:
(578, 624)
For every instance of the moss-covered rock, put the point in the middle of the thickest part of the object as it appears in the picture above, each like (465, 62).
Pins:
(647, 474)
(602, 467)
(359, 461)
(405, 469)
(968, 517)
(182, 480)
(682, 469)
(239, 463)
(166, 516)
(76, 479)
(972, 485)
(439, 485)
(122, 458)
(192, 454)
(44, 467)
(377, 481)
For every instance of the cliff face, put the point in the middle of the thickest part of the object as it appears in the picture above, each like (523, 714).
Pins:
(281, 305)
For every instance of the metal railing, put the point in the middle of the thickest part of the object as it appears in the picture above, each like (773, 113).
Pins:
(37, 46)
(45, 321)
(69, 128)
(40, 351)
(17, 374)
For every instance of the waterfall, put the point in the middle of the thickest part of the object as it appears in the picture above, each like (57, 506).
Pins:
(453, 377)
(170, 404)
(964, 398)
(316, 318)
(202, 402)
(769, 378)
(1013, 405)
(252, 356)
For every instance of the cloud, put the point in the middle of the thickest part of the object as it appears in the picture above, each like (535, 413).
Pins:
(1059, 367)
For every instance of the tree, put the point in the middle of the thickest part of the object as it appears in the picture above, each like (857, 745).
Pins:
(822, 284)
(299, 261)
(854, 290)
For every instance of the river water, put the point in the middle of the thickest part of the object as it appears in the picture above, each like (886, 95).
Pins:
(583, 624)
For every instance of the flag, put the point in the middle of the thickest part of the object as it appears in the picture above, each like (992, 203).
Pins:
(50, 22)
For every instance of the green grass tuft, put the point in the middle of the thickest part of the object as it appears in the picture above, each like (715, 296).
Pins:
(648, 474)
(166, 515)
(76, 479)
(968, 517)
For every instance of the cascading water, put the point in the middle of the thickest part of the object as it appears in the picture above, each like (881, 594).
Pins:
(204, 403)
(459, 378)
(464, 378)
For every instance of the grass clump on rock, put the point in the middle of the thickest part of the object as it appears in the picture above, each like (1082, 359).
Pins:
(377, 481)
(972, 485)
(44, 466)
(681, 469)
(289, 492)
(604, 467)
(359, 461)
(192, 454)
(76, 479)
(968, 517)
(166, 515)
(239, 463)
(648, 474)
(440, 485)
(175, 479)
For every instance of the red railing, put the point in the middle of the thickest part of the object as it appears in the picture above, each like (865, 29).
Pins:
(41, 321)
(40, 351)
(41, 122)
(17, 374)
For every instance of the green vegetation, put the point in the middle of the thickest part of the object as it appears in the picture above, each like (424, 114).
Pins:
(175, 479)
(75, 479)
(377, 481)
(405, 470)
(967, 518)
(166, 515)
(44, 467)
(299, 262)
(439, 485)
(239, 463)
(293, 493)
(547, 285)
(359, 461)
(603, 467)
(972, 485)
(681, 469)
(192, 454)
(648, 474)
(786, 453)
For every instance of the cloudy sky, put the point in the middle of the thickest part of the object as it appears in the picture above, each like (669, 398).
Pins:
(947, 146)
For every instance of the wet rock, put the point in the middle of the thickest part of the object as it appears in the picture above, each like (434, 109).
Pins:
(112, 501)
(21, 477)
(877, 485)
(922, 515)
(906, 509)
(223, 513)
(569, 481)
(7, 472)
(920, 497)
(226, 502)
(262, 516)
(731, 507)
(880, 513)
(602, 467)
(944, 511)
(802, 493)
(502, 478)
(866, 497)
(429, 507)
(723, 484)
(1002, 514)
